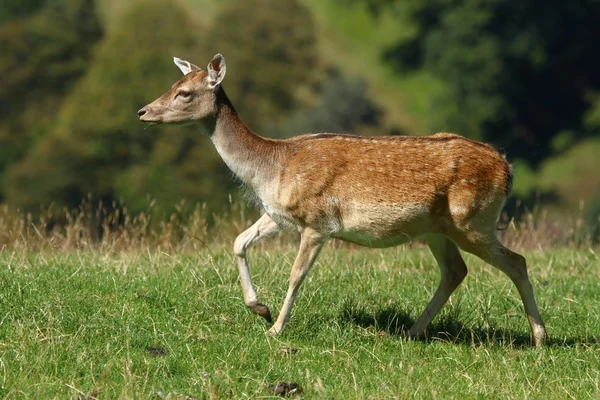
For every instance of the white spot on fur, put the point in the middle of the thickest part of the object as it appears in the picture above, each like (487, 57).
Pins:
(452, 164)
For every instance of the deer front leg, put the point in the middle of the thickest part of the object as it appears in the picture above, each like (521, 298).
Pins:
(261, 229)
(311, 243)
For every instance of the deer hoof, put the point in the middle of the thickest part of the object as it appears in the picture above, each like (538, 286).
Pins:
(262, 310)
(540, 341)
(415, 335)
(273, 331)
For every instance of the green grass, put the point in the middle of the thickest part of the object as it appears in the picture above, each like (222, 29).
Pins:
(85, 323)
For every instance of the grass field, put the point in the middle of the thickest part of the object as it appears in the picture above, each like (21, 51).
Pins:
(157, 325)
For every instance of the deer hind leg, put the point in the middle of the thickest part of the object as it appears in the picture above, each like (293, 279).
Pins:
(311, 243)
(515, 266)
(261, 229)
(452, 270)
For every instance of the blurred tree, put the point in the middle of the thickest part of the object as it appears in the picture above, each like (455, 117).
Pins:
(270, 47)
(592, 216)
(99, 146)
(43, 55)
(518, 73)
(343, 107)
(14, 9)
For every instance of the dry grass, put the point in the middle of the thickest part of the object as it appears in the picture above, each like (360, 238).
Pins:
(93, 227)
(98, 229)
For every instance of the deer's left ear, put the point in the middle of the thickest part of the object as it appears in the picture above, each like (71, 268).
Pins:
(185, 66)
(216, 70)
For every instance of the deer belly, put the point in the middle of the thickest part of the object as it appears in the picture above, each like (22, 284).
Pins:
(368, 240)
(383, 225)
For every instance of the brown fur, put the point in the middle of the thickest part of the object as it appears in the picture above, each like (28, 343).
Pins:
(374, 191)
(452, 177)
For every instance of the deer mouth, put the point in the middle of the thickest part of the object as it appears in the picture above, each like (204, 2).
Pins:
(150, 122)
(145, 116)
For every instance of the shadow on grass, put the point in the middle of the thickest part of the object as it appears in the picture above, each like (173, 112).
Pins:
(445, 328)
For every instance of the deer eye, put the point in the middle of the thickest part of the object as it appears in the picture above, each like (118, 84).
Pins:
(183, 94)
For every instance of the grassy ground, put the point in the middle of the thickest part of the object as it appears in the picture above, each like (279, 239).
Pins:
(149, 325)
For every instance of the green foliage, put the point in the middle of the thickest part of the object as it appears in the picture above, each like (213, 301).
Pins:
(14, 9)
(518, 73)
(183, 165)
(570, 178)
(98, 145)
(573, 174)
(343, 107)
(44, 54)
(592, 216)
(271, 57)
(592, 116)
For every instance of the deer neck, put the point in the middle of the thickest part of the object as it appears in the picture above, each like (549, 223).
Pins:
(253, 159)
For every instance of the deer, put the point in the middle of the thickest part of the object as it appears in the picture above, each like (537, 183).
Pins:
(376, 192)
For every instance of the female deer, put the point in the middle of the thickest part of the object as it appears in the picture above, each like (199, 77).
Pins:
(373, 191)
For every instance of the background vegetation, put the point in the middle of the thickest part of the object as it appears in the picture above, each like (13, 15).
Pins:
(523, 76)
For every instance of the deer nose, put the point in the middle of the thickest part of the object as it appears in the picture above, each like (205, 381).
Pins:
(142, 112)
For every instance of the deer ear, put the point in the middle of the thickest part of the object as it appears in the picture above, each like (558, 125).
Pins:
(216, 70)
(185, 66)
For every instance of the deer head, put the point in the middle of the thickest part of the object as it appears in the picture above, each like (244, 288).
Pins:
(192, 98)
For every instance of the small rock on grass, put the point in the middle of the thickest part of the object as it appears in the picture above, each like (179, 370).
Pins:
(288, 350)
(157, 351)
(286, 389)
(89, 396)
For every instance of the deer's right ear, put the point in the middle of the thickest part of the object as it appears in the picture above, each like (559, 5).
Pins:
(185, 66)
